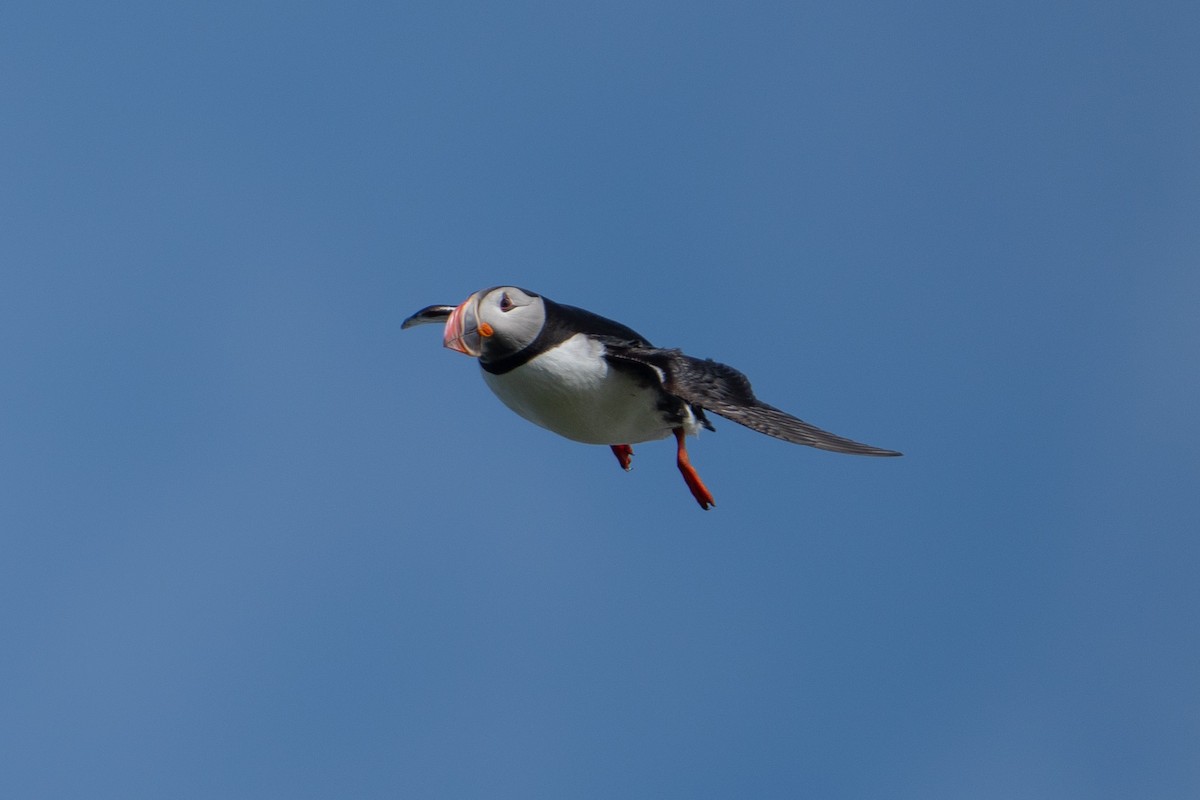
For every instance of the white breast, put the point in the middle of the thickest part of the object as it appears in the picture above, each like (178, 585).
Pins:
(572, 390)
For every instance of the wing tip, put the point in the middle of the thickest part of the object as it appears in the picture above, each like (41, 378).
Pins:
(855, 449)
(426, 316)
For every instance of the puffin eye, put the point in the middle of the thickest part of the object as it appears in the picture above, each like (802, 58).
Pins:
(506, 303)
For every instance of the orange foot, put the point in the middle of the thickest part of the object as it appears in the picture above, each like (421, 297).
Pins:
(699, 490)
(624, 453)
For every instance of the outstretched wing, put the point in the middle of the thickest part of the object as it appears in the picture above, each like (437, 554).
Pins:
(428, 315)
(723, 390)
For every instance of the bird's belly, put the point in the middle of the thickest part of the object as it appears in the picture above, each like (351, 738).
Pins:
(578, 395)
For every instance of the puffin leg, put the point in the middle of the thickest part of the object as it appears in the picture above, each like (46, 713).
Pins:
(699, 490)
(624, 453)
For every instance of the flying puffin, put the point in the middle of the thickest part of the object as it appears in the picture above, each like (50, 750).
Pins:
(596, 381)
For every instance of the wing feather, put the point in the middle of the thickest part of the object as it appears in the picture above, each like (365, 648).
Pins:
(427, 316)
(723, 390)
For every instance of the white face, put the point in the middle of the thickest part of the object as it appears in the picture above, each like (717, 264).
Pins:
(515, 317)
(494, 323)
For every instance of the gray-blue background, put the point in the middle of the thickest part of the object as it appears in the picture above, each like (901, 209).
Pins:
(257, 542)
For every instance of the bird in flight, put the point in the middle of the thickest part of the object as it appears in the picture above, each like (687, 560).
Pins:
(597, 381)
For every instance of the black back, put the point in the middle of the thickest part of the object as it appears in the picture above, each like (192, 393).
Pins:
(562, 322)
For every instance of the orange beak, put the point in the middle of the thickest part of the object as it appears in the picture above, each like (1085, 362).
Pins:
(462, 330)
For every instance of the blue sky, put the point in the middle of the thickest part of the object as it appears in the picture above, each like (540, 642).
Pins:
(258, 542)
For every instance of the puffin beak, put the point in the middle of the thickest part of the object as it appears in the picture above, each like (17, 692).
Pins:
(462, 330)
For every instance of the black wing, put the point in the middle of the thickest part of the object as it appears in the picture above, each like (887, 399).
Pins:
(427, 315)
(723, 390)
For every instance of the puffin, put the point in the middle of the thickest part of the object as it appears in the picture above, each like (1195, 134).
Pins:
(596, 381)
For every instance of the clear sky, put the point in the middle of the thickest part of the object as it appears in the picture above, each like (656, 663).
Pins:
(259, 543)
